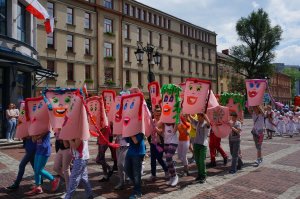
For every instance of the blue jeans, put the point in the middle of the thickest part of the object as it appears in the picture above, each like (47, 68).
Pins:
(28, 157)
(39, 171)
(133, 168)
(11, 127)
(156, 155)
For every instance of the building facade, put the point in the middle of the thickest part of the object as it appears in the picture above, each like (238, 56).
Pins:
(280, 87)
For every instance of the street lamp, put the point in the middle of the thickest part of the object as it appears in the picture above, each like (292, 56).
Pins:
(152, 55)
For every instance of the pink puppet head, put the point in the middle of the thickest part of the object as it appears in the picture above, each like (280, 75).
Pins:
(147, 120)
(195, 96)
(235, 108)
(76, 124)
(131, 114)
(117, 123)
(154, 90)
(37, 116)
(109, 100)
(96, 108)
(22, 127)
(219, 119)
(58, 101)
(255, 91)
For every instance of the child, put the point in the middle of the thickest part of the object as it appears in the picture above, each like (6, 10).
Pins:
(270, 125)
(234, 143)
(43, 152)
(290, 126)
(258, 131)
(79, 171)
(202, 126)
(133, 162)
(156, 146)
(184, 141)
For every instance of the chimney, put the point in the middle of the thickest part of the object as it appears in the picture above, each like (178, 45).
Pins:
(226, 51)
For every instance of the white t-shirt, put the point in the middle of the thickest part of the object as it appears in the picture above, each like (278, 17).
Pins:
(170, 137)
(259, 121)
(82, 152)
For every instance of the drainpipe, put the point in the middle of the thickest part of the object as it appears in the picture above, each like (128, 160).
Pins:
(97, 51)
(121, 3)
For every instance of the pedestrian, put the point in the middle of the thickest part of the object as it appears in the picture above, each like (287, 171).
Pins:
(202, 125)
(157, 146)
(234, 143)
(12, 114)
(133, 162)
(43, 152)
(270, 119)
(184, 141)
(63, 159)
(79, 171)
(281, 125)
(258, 131)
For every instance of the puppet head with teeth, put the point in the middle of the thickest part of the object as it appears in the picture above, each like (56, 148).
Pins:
(37, 116)
(95, 105)
(255, 91)
(58, 101)
(154, 90)
(170, 103)
(131, 114)
(76, 121)
(109, 100)
(22, 128)
(195, 96)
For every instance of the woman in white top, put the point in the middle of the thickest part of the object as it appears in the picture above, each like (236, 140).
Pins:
(12, 115)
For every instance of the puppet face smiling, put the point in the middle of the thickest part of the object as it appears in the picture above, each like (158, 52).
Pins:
(193, 91)
(60, 104)
(108, 98)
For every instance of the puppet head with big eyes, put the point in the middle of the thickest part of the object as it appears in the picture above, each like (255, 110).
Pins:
(22, 127)
(170, 103)
(154, 90)
(109, 100)
(37, 115)
(255, 91)
(195, 96)
(96, 108)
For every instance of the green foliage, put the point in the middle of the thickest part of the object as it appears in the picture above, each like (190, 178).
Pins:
(254, 56)
(237, 98)
(109, 58)
(128, 85)
(89, 81)
(172, 89)
(236, 85)
(294, 73)
(110, 83)
(111, 34)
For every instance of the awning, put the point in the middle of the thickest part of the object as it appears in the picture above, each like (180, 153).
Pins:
(41, 74)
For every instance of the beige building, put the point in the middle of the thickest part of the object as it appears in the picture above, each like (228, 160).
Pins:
(115, 28)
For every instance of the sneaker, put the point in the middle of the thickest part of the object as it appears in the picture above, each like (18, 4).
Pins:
(232, 171)
(143, 168)
(169, 182)
(174, 181)
(55, 184)
(120, 186)
(260, 160)
(225, 161)
(12, 187)
(257, 162)
(152, 178)
(34, 191)
(135, 195)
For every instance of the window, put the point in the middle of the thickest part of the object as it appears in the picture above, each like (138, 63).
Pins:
(127, 76)
(181, 28)
(50, 40)
(70, 72)
(169, 24)
(70, 16)
(108, 49)
(88, 72)
(149, 17)
(160, 41)
(138, 13)
(3, 14)
(132, 11)
(209, 54)
(108, 3)
(170, 63)
(189, 49)
(126, 31)
(126, 9)
(190, 66)
(109, 74)
(51, 65)
(196, 51)
(126, 54)
(154, 19)
(170, 79)
(181, 47)
(161, 62)
(139, 34)
(163, 22)
(139, 78)
(143, 13)
(197, 68)
(203, 54)
(87, 46)
(21, 23)
(150, 37)
(70, 43)
(182, 65)
(108, 25)
(160, 77)
(203, 70)
(158, 22)
(50, 9)
(169, 43)
(87, 20)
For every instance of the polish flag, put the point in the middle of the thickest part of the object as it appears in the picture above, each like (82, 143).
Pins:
(37, 10)
(49, 25)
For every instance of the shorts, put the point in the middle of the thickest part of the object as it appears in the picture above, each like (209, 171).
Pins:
(258, 138)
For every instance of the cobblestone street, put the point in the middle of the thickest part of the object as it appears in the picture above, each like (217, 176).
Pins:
(277, 177)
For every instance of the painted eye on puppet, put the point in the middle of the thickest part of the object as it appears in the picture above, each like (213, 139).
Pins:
(68, 99)
(251, 85)
(166, 98)
(257, 84)
(132, 105)
(153, 90)
(95, 107)
(40, 105)
(198, 88)
(117, 106)
(125, 106)
(34, 108)
(55, 100)
(171, 98)
(191, 87)
(91, 108)
(22, 112)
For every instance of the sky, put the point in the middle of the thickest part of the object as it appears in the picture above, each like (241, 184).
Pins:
(221, 16)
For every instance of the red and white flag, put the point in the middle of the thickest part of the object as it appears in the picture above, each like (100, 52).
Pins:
(36, 9)
(49, 25)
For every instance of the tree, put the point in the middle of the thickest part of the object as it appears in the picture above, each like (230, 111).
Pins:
(236, 85)
(254, 56)
(294, 73)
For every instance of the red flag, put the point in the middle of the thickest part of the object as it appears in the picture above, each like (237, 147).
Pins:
(84, 89)
(49, 25)
(36, 9)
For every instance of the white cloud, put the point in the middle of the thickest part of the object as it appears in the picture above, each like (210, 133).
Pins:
(289, 55)
(255, 4)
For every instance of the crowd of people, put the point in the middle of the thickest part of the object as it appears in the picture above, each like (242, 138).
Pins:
(193, 133)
